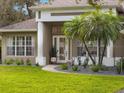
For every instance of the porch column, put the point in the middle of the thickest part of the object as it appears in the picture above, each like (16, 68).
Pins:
(110, 50)
(40, 38)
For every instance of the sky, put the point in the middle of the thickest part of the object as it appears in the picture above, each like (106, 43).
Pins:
(25, 10)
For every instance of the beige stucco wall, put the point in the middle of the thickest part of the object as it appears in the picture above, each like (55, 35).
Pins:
(4, 46)
(119, 47)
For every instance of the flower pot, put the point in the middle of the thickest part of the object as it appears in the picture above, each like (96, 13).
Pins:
(53, 59)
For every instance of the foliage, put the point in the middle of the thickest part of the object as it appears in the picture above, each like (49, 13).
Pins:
(75, 68)
(9, 61)
(28, 62)
(95, 68)
(64, 66)
(12, 11)
(22, 62)
(53, 52)
(94, 26)
(120, 66)
(25, 3)
(19, 77)
(85, 64)
(103, 68)
(8, 15)
(79, 61)
(19, 62)
(37, 64)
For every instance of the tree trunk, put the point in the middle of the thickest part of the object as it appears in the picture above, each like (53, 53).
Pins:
(29, 11)
(103, 53)
(99, 50)
(94, 63)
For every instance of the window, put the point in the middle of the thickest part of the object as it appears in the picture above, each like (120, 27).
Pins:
(20, 46)
(29, 48)
(80, 50)
(11, 46)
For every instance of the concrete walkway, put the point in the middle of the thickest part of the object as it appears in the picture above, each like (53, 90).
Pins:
(122, 91)
(52, 68)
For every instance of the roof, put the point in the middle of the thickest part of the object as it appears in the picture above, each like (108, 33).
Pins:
(28, 25)
(72, 3)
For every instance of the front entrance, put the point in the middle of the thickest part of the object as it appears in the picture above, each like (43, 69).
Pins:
(62, 47)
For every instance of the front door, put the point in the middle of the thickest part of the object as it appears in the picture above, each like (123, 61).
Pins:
(62, 47)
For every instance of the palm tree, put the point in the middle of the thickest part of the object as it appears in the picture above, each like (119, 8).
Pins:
(94, 26)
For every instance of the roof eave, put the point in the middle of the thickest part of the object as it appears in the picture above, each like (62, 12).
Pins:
(35, 8)
(18, 30)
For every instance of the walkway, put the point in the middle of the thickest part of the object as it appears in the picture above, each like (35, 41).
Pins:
(52, 68)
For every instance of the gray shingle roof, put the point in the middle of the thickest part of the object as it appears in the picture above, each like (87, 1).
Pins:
(28, 24)
(72, 3)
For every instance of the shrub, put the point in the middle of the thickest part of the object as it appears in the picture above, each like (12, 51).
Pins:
(95, 68)
(28, 62)
(19, 62)
(120, 66)
(64, 66)
(75, 68)
(9, 61)
(79, 61)
(85, 64)
(22, 62)
(37, 64)
(103, 68)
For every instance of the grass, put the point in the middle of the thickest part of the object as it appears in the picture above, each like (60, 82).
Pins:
(15, 79)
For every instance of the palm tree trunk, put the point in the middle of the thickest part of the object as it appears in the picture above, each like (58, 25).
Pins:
(103, 53)
(99, 50)
(94, 63)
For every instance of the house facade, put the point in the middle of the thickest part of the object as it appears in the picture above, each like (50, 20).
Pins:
(36, 41)
(19, 41)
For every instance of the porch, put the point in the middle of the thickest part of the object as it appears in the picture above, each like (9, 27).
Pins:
(50, 36)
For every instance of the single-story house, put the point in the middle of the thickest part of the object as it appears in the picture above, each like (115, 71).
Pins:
(33, 39)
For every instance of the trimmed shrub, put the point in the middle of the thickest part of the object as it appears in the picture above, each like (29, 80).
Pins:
(103, 68)
(120, 66)
(22, 62)
(9, 61)
(85, 64)
(37, 64)
(28, 62)
(19, 62)
(79, 61)
(95, 68)
(75, 68)
(64, 66)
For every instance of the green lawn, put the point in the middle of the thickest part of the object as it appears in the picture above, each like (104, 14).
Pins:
(34, 80)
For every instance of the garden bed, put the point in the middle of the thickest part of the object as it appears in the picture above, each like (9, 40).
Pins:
(88, 70)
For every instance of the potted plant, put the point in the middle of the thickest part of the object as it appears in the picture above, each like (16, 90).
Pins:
(53, 55)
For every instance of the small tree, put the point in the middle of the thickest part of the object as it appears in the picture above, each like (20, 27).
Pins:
(95, 26)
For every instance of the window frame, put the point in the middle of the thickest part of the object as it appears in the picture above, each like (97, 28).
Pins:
(25, 46)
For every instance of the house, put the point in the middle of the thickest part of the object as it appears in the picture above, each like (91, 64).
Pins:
(35, 38)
